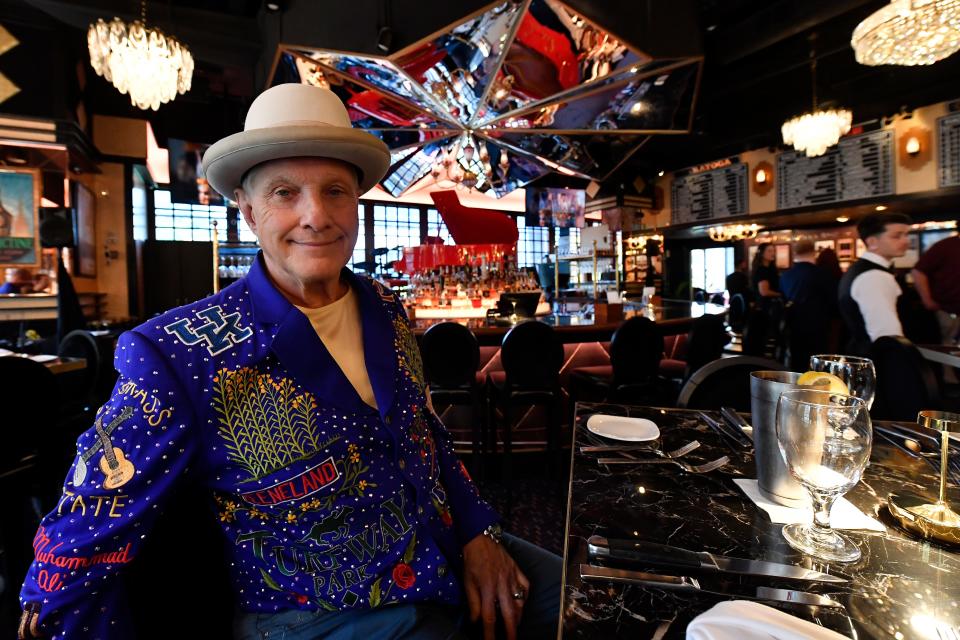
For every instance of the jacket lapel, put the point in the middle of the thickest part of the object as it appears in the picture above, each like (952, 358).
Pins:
(379, 350)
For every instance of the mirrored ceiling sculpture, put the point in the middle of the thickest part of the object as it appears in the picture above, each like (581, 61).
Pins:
(506, 95)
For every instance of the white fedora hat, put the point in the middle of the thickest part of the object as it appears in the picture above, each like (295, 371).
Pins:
(292, 121)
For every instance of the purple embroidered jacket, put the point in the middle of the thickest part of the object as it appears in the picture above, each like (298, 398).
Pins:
(325, 503)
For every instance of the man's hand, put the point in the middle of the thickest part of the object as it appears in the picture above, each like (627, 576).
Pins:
(492, 579)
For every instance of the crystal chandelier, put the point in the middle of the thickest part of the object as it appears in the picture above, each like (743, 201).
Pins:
(908, 33)
(143, 62)
(723, 233)
(811, 133)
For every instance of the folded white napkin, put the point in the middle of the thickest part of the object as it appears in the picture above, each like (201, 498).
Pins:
(843, 515)
(745, 620)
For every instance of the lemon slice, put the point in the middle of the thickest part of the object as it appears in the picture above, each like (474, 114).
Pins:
(823, 380)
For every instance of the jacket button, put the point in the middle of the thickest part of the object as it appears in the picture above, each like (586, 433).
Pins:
(387, 420)
(420, 510)
(402, 464)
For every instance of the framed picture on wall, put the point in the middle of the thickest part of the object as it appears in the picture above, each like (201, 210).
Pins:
(820, 245)
(783, 256)
(86, 209)
(845, 249)
(19, 211)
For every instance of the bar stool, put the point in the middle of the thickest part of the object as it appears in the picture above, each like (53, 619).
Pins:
(633, 373)
(451, 355)
(532, 357)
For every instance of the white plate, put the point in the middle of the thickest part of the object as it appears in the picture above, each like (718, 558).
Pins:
(43, 357)
(621, 428)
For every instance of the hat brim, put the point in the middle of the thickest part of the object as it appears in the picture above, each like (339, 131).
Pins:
(226, 161)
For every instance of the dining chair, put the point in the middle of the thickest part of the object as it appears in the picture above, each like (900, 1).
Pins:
(78, 387)
(724, 383)
(906, 382)
(708, 336)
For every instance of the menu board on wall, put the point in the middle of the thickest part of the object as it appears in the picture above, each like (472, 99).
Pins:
(857, 167)
(948, 132)
(708, 195)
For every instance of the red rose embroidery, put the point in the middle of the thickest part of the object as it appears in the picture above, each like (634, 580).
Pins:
(446, 517)
(403, 576)
(301, 599)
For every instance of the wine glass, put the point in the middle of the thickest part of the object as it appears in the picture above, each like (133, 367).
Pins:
(857, 373)
(825, 441)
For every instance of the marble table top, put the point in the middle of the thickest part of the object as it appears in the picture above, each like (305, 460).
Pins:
(901, 588)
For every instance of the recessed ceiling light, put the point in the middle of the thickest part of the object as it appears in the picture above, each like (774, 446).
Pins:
(660, 173)
(881, 207)
(843, 219)
(273, 6)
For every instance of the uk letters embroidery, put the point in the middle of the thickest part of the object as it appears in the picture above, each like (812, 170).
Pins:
(219, 332)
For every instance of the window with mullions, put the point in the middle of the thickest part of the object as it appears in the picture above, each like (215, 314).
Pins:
(532, 245)
(436, 227)
(360, 249)
(181, 221)
(395, 227)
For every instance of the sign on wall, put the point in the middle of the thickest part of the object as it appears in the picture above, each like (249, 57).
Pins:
(857, 167)
(948, 133)
(19, 195)
(710, 194)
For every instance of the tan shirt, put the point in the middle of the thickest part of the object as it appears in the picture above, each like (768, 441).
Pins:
(338, 326)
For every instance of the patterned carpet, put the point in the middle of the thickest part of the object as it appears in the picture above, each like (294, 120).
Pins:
(539, 502)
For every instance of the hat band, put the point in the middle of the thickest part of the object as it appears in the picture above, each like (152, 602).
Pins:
(296, 123)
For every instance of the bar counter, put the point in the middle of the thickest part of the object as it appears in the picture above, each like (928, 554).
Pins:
(673, 316)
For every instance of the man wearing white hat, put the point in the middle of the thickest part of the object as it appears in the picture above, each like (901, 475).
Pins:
(297, 397)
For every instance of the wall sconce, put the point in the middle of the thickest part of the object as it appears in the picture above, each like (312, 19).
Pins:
(913, 148)
(912, 145)
(762, 181)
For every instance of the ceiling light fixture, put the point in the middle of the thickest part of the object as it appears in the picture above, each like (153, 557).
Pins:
(724, 233)
(143, 62)
(881, 207)
(812, 133)
(908, 33)
(843, 219)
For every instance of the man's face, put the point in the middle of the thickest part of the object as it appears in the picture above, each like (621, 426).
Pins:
(892, 243)
(304, 212)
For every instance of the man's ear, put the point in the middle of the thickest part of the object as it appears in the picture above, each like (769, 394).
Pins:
(246, 209)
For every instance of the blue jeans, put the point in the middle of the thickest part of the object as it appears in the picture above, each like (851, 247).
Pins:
(541, 612)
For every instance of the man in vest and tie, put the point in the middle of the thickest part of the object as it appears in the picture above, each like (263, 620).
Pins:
(868, 291)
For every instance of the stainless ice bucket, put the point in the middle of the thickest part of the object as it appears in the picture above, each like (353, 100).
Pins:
(774, 480)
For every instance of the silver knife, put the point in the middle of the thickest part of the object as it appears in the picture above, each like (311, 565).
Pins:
(662, 555)
(684, 583)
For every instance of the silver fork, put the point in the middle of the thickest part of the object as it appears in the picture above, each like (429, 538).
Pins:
(626, 449)
(706, 467)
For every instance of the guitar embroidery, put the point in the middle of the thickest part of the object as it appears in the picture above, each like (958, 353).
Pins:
(80, 471)
(114, 463)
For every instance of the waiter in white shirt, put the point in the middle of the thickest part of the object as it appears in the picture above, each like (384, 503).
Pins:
(868, 291)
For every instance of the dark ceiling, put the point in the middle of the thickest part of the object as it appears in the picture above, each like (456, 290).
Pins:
(756, 71)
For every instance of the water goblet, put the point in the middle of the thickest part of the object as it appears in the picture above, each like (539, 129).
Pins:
(825, 440)
(857, 373)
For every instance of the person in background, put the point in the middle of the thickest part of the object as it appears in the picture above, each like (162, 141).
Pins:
(17, 280)
(868, 291)
(812, 295)
(764, 275)
(828, 261)
(738, 281)
(937, 280)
